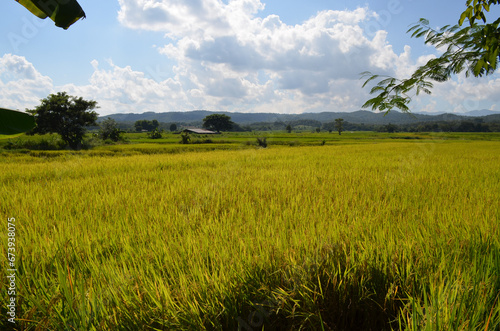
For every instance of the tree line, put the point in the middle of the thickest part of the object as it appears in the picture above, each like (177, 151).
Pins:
(70, 116)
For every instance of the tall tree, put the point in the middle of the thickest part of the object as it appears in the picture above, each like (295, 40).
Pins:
(66, 115)
(218, 122)
(146, 125)
(473, 49)
(339, 125)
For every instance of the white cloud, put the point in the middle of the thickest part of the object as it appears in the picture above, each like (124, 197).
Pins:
(469, 93)
(21, 85)
(177, 17)
(124, 90)
(308, 59)
(221, 60)
(228, 58)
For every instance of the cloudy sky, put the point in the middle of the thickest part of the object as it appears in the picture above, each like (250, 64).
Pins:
(292, 56)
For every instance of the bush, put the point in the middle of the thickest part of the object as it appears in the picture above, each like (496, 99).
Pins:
(45, 143)
(94, 140)
(262, 142)
(155, 134)
(185, 138)
(109, 131)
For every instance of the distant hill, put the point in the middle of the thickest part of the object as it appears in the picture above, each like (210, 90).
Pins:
(358, 117)
(482, 112)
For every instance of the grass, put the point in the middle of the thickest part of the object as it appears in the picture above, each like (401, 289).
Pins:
(359, 234)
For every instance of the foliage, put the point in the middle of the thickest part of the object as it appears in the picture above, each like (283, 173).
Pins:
(63, 12)
(45, 142)
(155, 134)
(391, 128)
(173, 127)
(14, 122)
(218, 122)
(185, 138)
(66, 115)
(146, 125)
(109, 130)
(289, 128)
(339, 125)
(262, 142)
(473, 49)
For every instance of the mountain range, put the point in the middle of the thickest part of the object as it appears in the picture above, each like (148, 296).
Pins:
(361, 116)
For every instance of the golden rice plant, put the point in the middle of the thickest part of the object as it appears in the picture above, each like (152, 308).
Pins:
(392, 235)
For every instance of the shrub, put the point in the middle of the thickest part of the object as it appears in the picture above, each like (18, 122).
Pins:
(45, 142)
(155, 134)
(109, 131)
(262, 142)
(185, 138)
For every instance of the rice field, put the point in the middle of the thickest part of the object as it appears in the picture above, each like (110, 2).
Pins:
(383, 235)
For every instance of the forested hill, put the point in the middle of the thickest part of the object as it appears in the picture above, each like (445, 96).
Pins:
(362, 116)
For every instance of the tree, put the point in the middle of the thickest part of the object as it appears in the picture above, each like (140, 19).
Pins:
(218, 122)
(146, 125)
(391, 128)
(155, 134)
(139, 125)
(185, 138)
(66, 115)
(173, 127)
(473, 49)
(289, 128)
(109, 130)
(339, 125)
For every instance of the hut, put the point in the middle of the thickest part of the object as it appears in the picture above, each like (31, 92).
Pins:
(198, 131)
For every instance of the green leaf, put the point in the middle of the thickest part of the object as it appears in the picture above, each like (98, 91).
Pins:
(14, 122)
(63, 12)
(424, 21)
(479, 67)
(462, 18)
(468, 14)
(369, 79)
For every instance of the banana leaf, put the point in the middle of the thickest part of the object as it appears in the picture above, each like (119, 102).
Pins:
(62, 12)
(14, 122)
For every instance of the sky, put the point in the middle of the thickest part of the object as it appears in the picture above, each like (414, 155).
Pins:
(135, 56)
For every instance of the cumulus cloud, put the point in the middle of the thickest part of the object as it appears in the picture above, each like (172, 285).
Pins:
(469, 93)
(227, 57)
(120, 89)
(21, 85)
(223, 51)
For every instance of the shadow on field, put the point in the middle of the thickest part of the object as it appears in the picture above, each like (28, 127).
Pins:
(327, 296)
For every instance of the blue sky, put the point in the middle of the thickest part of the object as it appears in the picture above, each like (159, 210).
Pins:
(238, 55)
